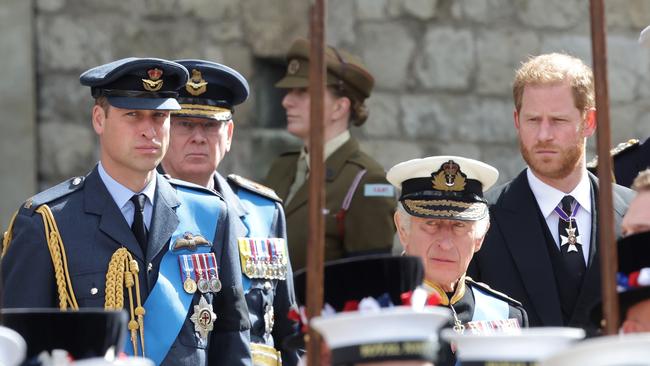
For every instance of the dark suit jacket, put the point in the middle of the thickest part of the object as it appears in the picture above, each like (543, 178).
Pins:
(92, 228)
(368, 225)
(280, 294)
(514, 258)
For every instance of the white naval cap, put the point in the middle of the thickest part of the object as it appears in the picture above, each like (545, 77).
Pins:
(644, 37)
(12, 347)
(446, 187)
(614, 350)
(521, 345)
(397, 333)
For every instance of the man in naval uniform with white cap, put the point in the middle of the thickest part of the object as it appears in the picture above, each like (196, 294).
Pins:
(442, 217)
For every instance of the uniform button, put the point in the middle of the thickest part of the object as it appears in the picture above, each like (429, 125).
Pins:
(149, 267)
(267, 285)
(76, 181)
(93, 291)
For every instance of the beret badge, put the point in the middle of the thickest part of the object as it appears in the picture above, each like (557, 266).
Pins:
(293, 67)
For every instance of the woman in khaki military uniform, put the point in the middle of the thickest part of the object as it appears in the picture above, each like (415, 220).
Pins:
(359, 200)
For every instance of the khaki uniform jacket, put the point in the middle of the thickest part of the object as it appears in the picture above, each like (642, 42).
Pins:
(368, 223)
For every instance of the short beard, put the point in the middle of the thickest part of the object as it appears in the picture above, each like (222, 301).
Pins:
(570, 159)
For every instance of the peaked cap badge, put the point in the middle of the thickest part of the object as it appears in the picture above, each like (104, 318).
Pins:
(197, 85)
(154, 83)
(449, 178)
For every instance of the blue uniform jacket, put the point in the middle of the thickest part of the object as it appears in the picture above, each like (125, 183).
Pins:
(92, 229)
(277, 293)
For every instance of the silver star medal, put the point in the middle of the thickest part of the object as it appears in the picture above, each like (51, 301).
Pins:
(203, 318)
(571, 239)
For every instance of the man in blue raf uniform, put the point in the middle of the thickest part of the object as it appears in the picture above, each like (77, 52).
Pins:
(442, 217)
(125, 237)
(201, 135)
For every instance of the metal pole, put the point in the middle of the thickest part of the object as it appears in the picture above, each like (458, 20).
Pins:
(608, 252)
(315, 246)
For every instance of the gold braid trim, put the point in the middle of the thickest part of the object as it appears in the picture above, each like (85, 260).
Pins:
(123, 273)
(59, 260)
(6, 239)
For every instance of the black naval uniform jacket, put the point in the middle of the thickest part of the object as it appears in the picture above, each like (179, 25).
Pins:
(465, 308)
(515, 257)
(263, 292)
(92, 228)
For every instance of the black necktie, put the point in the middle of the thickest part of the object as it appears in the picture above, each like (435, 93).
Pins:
(138, 227)
(571, 245)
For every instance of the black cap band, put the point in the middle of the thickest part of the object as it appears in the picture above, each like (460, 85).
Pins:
(387, 351)
(416, 188)
(98, 92)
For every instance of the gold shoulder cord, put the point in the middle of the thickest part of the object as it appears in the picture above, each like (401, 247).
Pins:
(123, 269)
(6, 239)
(57, 253)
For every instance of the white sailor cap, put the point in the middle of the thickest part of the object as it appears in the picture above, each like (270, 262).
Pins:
(614, 350)
(444, 187)
(644, 37)
(521, 345)
(12, 347)
(397, 333)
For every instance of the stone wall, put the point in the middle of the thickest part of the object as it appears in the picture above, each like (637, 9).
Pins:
(443, 68)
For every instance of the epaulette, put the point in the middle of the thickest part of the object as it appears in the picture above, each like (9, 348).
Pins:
(254, 187)
(60, 190)
(491, 291)
(177, 182)
(626, 146)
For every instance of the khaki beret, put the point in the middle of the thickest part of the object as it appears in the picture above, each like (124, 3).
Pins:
(343, 69)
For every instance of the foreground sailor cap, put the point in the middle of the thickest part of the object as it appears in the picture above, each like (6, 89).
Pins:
(614, 350)
(444, 187)
(523, 345)
(398, 333)
(85, 333)
(12, 347)
(137, 83)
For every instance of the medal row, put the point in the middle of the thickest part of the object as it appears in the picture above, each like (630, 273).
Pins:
(199, 272)
(263, 257)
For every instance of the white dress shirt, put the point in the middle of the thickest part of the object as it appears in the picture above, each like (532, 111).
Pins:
(549, 197)
(122, 196)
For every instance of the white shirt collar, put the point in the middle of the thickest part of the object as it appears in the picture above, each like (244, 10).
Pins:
(121, 195)
(549, 197)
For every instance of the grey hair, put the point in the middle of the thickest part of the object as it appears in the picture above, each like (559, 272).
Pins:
(480, 226)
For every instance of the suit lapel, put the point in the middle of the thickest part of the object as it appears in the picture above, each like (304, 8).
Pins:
(98, 201)
(525, 238)
(164, 220)
(236, 211)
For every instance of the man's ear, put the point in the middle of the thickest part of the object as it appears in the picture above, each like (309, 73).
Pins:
(590, 122)
(230, 129)
(479, 240)
(515, 115)
(98, 119)
(402, 231)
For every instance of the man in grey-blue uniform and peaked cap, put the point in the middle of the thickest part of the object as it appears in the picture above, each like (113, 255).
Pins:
(201, 135)
(124, 236)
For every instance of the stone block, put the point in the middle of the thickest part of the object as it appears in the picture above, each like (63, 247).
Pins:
(634, 14)
(418, 9)
(223, 31)
(499, 53)
(62, 97)
(208, 9)
(574, 45)
(484, 11)
(506, 158)
(627, 64)
(386, 50)
(557, 14)
(446, 59)
(269, 30)
(371, 9)
(49, 5)
(340, 22)
(389, 152)
(384, 119)
(65, 150)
